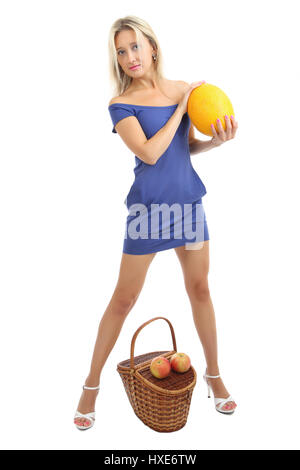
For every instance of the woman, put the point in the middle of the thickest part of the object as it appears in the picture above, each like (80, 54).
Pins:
(150, 115)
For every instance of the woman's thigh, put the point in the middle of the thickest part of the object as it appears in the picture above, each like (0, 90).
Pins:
(194, 263)
(132, 274)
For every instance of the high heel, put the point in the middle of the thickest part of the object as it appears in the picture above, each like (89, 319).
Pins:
(219, 402)
(90, 416)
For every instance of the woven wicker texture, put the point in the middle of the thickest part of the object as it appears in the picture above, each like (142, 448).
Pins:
(174, 381)
(161, 404)
(140, 359)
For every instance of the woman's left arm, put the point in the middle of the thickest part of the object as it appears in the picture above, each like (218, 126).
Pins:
(219, 137)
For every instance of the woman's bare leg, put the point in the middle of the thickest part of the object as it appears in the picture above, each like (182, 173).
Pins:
(195, 267)
(132, 274)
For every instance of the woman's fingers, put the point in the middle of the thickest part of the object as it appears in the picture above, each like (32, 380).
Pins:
(221, 135)
(195, 84)
(221, 130)
(215, 134)
(228, 127)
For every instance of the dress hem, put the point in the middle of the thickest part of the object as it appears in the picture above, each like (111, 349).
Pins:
(176, 245)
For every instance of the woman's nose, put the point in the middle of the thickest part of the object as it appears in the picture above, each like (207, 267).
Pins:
(131, 58)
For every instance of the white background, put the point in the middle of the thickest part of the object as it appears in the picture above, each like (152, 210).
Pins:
(63, 180)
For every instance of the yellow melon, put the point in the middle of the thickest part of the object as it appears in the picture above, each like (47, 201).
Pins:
(206, 104)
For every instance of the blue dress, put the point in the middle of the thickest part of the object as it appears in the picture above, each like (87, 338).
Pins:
(164, 203)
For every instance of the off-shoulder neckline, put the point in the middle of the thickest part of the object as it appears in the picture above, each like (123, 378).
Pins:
(145, 106)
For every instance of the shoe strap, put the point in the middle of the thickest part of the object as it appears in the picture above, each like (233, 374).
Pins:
(90, 388)
(212, 376)
(222, 401)
(91, 415)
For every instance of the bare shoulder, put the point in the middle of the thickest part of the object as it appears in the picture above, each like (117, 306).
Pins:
(183, 85)
(115, 99)
(176, 89)
(178, 85)
(123, 98)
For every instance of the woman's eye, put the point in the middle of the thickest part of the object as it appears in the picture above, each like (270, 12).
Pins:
(133, 46)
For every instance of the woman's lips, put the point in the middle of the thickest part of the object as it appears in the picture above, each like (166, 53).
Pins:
(135, 67)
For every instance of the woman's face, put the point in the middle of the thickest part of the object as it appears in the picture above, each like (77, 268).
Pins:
(130, 53)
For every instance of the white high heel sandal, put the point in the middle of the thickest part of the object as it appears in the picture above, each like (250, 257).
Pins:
(219, 402)
(90, 416)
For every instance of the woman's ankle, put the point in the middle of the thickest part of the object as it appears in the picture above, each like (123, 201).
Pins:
(92, 381)
(212, 370)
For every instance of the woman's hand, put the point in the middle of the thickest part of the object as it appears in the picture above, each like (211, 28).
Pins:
(221, 136)
(183, 103)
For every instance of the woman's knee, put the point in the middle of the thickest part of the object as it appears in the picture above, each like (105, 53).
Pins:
(124, 300)
(198, 289)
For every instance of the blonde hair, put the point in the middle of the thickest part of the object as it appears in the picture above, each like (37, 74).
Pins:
(118, 79)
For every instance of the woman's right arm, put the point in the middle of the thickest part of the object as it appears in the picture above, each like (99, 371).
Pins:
(158, 144)
(152, 149)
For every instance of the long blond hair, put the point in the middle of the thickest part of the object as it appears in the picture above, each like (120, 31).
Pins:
(118, 79)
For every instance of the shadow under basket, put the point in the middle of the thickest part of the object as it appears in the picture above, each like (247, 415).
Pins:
(161, 404)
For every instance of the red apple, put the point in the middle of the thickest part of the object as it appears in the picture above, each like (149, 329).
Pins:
(180, 362)
(160, 367)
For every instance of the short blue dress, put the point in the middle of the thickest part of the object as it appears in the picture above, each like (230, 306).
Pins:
(164, 203)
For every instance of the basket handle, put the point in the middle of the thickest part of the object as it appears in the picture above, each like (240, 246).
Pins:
(140, 328)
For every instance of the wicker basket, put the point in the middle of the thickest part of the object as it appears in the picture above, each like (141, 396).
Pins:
(162, 404)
